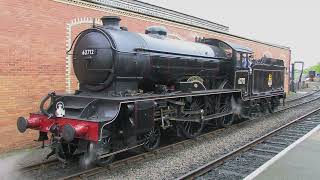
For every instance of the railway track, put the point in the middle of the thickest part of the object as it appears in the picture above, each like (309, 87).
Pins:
(304, 101)
(120, 163)
(37, 166)
(244, 160)
(303, 96)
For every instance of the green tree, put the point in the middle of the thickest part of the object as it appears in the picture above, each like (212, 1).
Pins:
(312, 68)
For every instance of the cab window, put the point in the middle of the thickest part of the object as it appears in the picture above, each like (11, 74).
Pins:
(238, 56)
(243, 60)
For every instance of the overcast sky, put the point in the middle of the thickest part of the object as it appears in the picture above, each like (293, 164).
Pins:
(290, 23)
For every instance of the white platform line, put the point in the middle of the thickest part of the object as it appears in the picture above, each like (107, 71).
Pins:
(278, 156)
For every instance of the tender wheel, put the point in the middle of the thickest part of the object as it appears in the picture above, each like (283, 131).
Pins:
(271, 107)
(152, 139)
(274, 103)
(192, 129)
(263, 106)
(255, 110)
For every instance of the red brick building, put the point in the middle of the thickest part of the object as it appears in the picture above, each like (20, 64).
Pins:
(35, 34)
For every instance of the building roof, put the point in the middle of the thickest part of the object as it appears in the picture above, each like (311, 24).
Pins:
(161, 13)
(174, 16)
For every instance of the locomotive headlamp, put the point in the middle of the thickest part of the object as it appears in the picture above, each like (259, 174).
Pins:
(69, 132)
(23, 124)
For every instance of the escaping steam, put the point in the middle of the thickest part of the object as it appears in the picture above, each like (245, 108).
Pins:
(236, 106)
(9, 166)
(86, 161)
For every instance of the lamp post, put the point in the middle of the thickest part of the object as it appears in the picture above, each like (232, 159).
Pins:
(292, 87)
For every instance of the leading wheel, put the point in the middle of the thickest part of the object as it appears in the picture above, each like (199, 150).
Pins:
(192, 129)
(104, 161)
(62, 150)
(67, 151)
(90, 157)
(106, 149)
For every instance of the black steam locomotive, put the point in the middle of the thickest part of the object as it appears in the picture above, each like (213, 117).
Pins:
(133, 87)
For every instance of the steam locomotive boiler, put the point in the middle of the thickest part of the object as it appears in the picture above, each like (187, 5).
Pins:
(134, 87)
(115, 60)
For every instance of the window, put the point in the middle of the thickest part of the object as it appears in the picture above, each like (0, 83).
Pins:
(227, 49)
(238, 60)
(243, 60)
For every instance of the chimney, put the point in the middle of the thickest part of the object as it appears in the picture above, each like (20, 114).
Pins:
(112, 22)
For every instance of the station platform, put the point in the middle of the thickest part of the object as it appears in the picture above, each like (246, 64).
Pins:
(300, 160)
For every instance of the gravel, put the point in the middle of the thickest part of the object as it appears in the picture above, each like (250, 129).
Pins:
(176, 163)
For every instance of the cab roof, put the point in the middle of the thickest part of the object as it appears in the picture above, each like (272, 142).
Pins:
(239, 48)
(234, 46)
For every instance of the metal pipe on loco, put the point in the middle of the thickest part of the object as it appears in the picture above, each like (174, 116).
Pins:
(23, 124)
(69, 132)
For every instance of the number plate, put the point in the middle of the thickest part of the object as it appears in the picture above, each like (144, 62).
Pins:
(87, 52)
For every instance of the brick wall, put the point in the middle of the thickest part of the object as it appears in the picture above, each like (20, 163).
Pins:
(33, 36)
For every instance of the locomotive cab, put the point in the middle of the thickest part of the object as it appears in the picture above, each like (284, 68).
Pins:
(252, 77)
(240, 58)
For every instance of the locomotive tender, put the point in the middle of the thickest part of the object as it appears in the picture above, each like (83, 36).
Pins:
(133, 87)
